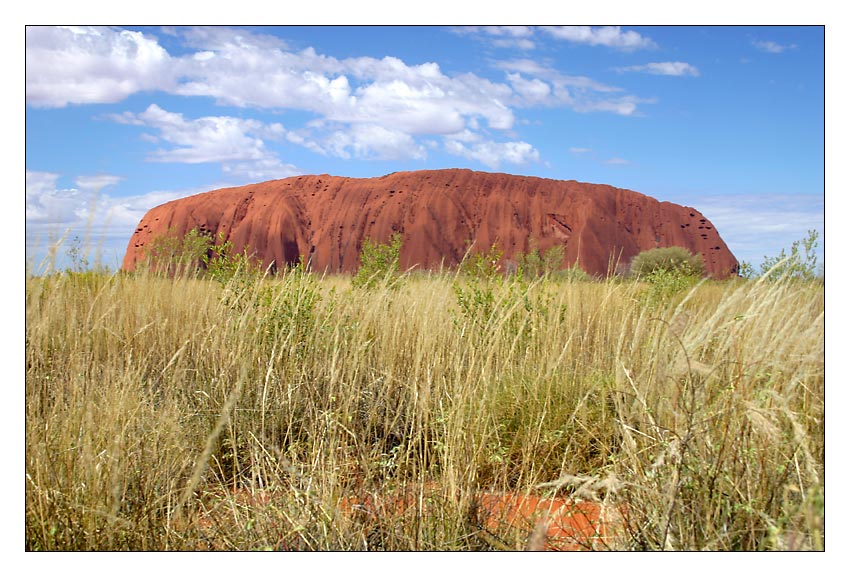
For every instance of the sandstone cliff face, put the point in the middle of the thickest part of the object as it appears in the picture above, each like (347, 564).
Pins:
(438, 213)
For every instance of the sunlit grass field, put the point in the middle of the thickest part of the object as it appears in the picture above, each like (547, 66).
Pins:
(188, 414)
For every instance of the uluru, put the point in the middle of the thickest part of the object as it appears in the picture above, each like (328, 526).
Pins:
(439, 214)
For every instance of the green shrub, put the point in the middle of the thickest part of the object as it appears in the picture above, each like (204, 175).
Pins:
(535, 264)
(176, 255)
(378, 263)
(574, 274)
(665, 284)
(196, 254)
(799, 265)
(222, 264)
(482, 265)
(673, 259)
(668, 271)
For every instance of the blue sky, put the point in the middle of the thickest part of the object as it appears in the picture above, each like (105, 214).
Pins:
(728, 119)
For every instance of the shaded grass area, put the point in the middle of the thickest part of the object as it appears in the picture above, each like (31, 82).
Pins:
(184, 414)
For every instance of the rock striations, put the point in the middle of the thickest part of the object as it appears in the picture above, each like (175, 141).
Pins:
(438, 214)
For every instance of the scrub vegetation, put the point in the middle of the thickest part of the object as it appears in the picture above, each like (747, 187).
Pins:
(206, 405)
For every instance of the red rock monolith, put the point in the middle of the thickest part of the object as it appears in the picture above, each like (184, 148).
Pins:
(438, 213)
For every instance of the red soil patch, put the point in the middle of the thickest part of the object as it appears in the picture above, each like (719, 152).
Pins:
(552, 524)
(536, 523)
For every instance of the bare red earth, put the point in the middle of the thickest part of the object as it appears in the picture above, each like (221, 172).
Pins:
(554, 524)
(503, 520)
(438, 213)
(551, 524)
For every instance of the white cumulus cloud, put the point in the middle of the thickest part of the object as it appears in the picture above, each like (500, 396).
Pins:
(66, 65)
(97, 182)
(370, 141)
(523, 36)
(536, 84)
(502, 36)
(664, 69)
(530, 90)
(489, 153)
(237, 143)
(44, 203)
(756, 226)
(610, 36)
(772, 47)
(49, 205)
(362, 107)
(86, 217)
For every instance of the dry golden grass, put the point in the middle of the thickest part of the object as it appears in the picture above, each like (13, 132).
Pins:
(154, 405)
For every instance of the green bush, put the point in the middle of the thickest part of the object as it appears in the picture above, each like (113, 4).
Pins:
(668, 271)
(673, 259)
(665, 284)
(196, 253)
(535, 264)
(378, 263)
(801, 264)
(176, 255)
(482, 265)
(222, 264)
(574, 274)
